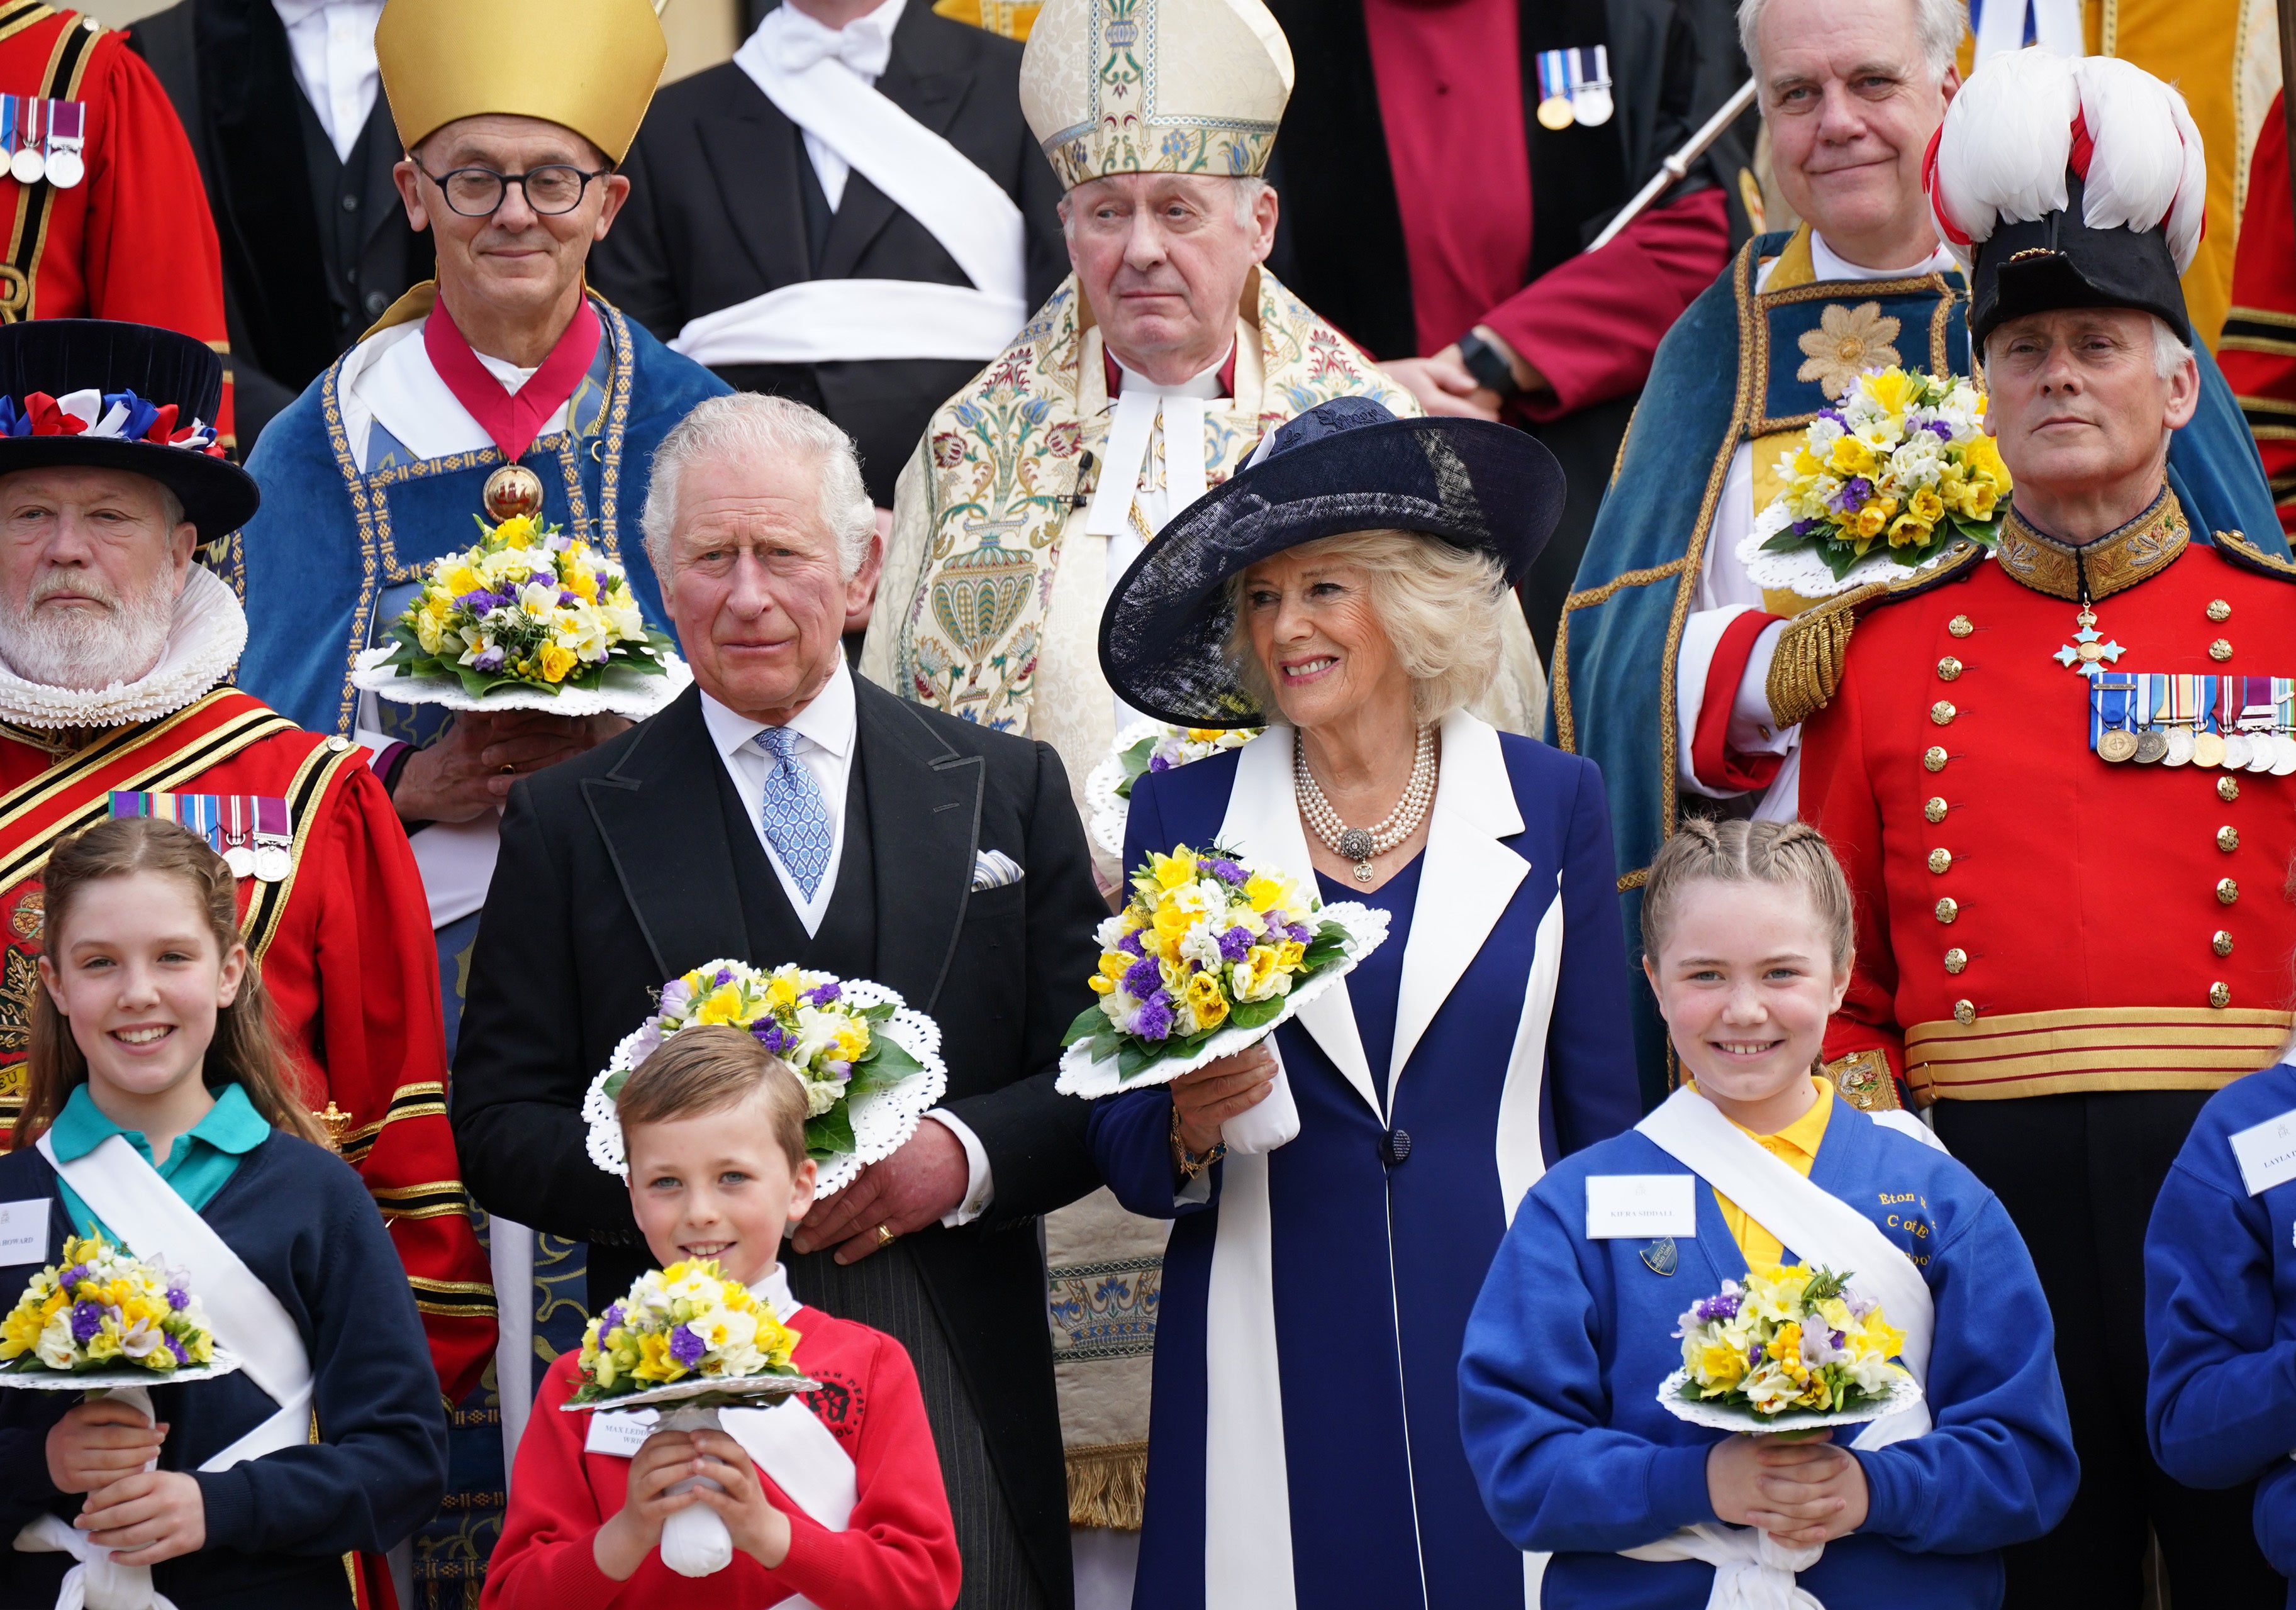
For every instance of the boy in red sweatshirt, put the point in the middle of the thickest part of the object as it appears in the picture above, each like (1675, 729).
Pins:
(836, 1497)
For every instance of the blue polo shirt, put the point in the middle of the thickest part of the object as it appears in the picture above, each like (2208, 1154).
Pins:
(202, 1159)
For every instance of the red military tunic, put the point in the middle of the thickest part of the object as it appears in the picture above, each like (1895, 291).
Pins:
(346, 952)
(2033, 919)
(134, 240)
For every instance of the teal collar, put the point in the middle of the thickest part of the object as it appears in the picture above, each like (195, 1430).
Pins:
(231, 1125)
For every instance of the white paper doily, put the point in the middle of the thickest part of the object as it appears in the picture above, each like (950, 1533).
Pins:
(1806, 575)
(882, 1120)
(1108, 809)
(94, 1380)
(1904, 1391)
(622, 692)
(701, 1386)
(1081, 1076)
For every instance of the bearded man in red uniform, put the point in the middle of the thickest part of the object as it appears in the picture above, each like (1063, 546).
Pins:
(106, 216)
(115, 653)
(2062, 778)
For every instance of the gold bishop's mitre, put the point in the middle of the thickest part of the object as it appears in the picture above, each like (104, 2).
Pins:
(1118, 86)
(589, 65)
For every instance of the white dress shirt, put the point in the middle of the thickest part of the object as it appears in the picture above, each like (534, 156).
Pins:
(333, 42)
(863, 45)
(826, 732)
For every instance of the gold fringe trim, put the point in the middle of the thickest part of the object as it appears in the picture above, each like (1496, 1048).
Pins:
(1108, 1486)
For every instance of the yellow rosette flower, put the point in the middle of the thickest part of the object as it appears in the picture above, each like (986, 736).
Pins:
(1204, 998)
(556, 662)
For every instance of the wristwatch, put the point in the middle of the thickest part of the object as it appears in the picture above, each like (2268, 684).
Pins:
(1489, 365)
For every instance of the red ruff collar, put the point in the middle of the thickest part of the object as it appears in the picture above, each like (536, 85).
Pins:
(511, 419)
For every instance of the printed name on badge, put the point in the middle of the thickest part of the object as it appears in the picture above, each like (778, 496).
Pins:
(1641, 1207)
(2266, 1153)
(620, 1435)
(24, 1231)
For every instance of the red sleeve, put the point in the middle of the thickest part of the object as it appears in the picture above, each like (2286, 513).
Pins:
(898, 1550)
(1712, 759)
(1838, 799)
(2259, 351)
(1591, 325)
(543, 1559)
(150, 255)
(364, 1002)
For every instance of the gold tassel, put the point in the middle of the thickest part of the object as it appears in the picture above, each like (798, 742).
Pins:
(1108, 1486)
(1806, 670)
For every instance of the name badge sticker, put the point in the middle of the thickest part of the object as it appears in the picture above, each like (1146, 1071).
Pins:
(619, 1434)
(2266, 1153)
(1643, 1207)
(24, 1231)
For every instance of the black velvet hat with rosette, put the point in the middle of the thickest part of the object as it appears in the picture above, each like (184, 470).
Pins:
(114, 396)
(1345, 465)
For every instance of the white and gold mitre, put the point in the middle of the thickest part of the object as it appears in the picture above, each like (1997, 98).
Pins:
(1192, 86)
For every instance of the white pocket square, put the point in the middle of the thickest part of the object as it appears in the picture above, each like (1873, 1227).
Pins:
(994, 869)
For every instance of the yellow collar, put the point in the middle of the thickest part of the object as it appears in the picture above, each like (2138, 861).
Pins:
(2114, 562)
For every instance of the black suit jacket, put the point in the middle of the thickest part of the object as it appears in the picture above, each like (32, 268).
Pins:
(290, 304)
(617, 874)
(717, 215)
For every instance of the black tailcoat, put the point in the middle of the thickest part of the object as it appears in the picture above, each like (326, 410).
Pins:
(724, 206)
(626, 867)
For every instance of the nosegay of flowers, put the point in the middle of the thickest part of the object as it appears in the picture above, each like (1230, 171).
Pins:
(1901, 461)
(681, 1323)
(101, 1309)
(1790, 1339)
(528, 607)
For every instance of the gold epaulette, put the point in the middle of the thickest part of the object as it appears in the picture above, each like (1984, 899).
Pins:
(2236, 547)
(1806, 669)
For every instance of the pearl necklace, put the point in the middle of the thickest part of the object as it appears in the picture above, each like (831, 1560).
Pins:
(1359, 844)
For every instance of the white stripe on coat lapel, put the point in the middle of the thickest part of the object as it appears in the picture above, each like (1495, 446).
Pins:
(1465, 883)
(1263, 824)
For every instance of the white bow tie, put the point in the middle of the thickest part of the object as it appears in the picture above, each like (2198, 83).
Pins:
(864, 45)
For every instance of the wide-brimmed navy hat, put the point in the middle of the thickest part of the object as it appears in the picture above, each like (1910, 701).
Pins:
(1345, 465)
(115, 395)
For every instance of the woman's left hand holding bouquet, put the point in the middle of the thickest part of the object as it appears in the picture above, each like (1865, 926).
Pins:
(1801, 1492)
(667, 1458)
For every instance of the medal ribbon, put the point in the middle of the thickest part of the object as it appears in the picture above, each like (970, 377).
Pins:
(2108, 706)
(271, 823)
(2256, 704)
(2284, 704)
(10, 116)
(1554, 77)
(511, 419)
(1592, 66)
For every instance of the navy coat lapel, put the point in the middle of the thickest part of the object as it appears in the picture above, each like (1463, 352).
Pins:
(657, 812)
(924, 825)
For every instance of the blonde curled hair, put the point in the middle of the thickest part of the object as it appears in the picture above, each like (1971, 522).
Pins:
(1439, 605)
(1789, 854)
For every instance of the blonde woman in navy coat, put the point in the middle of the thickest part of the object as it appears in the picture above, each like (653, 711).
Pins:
(1347, 586)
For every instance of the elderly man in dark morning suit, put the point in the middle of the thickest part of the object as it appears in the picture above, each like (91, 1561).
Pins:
(781, 811)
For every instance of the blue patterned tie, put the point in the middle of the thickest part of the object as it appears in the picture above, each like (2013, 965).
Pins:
(796, 820)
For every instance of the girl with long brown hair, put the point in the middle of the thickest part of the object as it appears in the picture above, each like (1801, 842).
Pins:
(152, 1054)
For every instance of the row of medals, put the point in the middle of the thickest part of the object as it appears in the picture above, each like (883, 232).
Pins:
(2256, 752)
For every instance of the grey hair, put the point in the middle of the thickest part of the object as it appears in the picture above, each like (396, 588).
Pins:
(1440, 608)
(748, 425)
(2169, 354)
(1938, 28)
(171, 507)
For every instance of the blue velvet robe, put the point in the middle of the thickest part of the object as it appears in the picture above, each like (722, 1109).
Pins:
(1559, 1406)
(2220, 1316)
(1612, 687)
(314, 564)
(1372, 1267)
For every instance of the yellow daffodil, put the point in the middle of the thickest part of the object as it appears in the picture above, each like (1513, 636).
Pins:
(1893, 388)
(516, 532)
(720, 1005)
(1983, 458)
(1850, 456)
(1925, 506)
(781, 993)
(1262, 892)
(1173, 870)
(1906, 532)
(1205, 997)
(461, 579)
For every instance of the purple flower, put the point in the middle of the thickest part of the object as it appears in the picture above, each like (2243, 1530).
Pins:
(825, 993)
(769, 1033)
(1853, 494)
(1838, 1338)
(1141, 978)
(178, 1299)
(610, 1320)
(566, 599)
(74, 1276)
(1233, 943)
(1804, 527)
(1835, 415)
(87, 1320)
(1154, 1019)
(1944, 431)
(1157, 763)
(1298, 933)
(1130, 944)
(491, 660)
(479, 602)
(1227, 873)
(177, 1348)
(687, 1345)
(1723, 1305)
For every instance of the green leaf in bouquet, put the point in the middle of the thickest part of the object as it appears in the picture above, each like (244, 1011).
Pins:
(1088, 1023)
(885, 1066)
(1984, 533)
(1136, 763)
(1133, 1057)
(1791, 540)
(614, 1082)
(1252, 1014)
(831, 1135)
(882, 1012)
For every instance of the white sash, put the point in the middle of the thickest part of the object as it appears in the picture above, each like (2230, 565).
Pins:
(1750, 1571)
(143, 1210)
(792, 1445)
(820, 321)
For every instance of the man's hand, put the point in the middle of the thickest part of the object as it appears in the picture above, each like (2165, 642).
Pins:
(1444, 385)
(96, 1443)
(758, 1530)
(1802, 1493)
(147, 1518)
(469, 771)
(1218, 1091)
(916, 1186)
